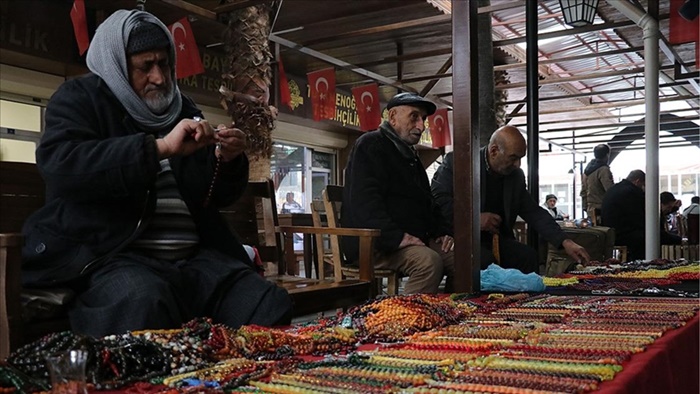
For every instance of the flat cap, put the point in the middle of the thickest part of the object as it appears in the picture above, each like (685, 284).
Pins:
(412, 99)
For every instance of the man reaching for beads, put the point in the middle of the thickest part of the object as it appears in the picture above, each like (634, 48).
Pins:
(504, 197)
(134, 183)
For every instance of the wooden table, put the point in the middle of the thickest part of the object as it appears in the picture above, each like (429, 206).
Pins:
(302, 219)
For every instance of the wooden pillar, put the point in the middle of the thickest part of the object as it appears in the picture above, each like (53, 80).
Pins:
(466, 146)
(533, 110)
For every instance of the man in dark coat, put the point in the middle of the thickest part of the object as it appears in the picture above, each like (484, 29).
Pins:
(504, 197)
(131, 219)
(623, 210)
(386, 187)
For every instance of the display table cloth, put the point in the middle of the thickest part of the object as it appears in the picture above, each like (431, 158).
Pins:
(418, 343)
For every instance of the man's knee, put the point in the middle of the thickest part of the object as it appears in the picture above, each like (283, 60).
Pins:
(423, 259)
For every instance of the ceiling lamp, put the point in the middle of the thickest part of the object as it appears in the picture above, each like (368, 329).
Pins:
(578, 13)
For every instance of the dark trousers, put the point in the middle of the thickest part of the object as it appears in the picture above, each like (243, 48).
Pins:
(513, 255)
(133, 292)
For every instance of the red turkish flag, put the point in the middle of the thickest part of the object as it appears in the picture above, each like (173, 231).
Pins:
(322, 87)
(367, 104)
(285, 94)
(80, 28)
(439, 128)
(187, 59)
(681, 30)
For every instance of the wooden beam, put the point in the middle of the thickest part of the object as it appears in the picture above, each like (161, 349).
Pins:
(237, 5)
(408, 56)
(426, 77)
(191, 8)
(431, 20)
(429, 86)
(466, 173)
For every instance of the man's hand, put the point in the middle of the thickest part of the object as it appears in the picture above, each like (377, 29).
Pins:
(576, 251)
(410, 240)
(185, 138)
(490, 222)
(231, 142)
(446, 242)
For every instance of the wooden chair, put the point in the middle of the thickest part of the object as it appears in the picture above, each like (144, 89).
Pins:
(254, 219)
(22, 192)
(332, 201)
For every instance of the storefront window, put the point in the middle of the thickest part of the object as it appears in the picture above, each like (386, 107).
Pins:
(300, 174)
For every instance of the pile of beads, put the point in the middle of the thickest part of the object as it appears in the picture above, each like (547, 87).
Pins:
(393, 318)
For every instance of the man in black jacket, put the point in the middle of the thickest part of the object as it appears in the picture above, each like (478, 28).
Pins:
(623, 209)
(131, 219)
(504, 197)
(386, 187)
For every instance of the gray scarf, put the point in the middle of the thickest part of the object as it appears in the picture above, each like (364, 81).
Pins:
(107, 59)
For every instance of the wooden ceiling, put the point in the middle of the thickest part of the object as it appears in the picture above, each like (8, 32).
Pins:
(589, 76)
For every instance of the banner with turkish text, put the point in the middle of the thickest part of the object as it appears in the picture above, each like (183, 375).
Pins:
(440, 128)
(682, 30)
(367, 105)
(285, 94)
(80, 28)
(322, 89)
(187, 59)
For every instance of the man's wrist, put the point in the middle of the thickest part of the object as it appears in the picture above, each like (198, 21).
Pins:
(163, 149)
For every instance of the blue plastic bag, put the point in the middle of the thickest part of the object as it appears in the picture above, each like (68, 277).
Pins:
(496, 278)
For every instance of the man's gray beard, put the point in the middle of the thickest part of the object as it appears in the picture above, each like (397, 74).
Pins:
(160, 104)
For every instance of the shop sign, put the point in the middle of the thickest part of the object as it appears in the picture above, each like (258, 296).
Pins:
(34, 28)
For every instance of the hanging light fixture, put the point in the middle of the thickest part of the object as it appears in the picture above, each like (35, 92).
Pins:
(578, 13)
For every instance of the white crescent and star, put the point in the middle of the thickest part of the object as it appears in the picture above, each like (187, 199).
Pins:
(371, 100)
(325, 82)
(439, 128)
(178, 25)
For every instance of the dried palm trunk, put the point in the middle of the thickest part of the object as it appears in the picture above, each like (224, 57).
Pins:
(246, 92)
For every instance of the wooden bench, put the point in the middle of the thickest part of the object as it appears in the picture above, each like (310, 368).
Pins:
(676, 252)
(253, 217)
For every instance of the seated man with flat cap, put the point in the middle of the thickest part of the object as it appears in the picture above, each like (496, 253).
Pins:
(386, 187)
(131, 221)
